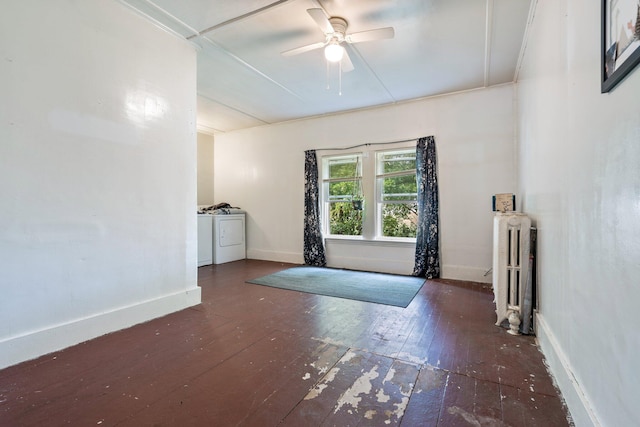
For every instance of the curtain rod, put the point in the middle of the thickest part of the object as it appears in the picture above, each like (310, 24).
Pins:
(367, 144)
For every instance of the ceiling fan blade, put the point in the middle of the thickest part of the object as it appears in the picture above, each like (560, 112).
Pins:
(321, 19)
(370, 35)
(346, 65)
(303, 49)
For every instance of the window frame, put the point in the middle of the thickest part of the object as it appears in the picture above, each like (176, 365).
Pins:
(372, 225)
(379, 181)
(326, 198)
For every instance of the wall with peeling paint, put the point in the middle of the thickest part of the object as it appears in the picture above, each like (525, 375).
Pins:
(97, 174)
(261, 170)
(579, 169)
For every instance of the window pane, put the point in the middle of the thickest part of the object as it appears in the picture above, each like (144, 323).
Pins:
(344, 167)
(399, 219)
(345, 173)
(341, 190)
(397, 161)
(403, 187)
(344, 219)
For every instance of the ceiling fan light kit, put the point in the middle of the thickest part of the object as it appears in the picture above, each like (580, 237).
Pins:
(335, 31)
(333, 52)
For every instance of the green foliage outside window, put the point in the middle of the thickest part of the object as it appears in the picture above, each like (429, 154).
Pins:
(343, 168)
(398, 194)
(345, 220)
(399, 219)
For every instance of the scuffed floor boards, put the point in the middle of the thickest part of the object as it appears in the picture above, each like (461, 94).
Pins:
(252, 355)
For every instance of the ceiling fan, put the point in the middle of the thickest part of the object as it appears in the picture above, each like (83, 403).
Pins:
(335, 31)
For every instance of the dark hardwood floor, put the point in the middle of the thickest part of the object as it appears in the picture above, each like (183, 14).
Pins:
(251, 355)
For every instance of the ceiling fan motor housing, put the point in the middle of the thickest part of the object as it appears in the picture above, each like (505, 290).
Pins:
(339, 28)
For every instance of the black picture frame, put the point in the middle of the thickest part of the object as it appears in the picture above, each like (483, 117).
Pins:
(618, 61)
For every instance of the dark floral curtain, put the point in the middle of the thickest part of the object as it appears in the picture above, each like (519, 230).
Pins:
(427, 239)
(313, 244)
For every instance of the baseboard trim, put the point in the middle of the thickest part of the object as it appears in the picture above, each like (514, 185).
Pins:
(472, 274)
(393, 264)
(288, 257)
(578, 403)
(17, 349)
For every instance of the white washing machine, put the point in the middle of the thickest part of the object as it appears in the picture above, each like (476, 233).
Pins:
(228, 238)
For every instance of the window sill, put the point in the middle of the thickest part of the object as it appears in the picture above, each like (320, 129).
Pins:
(358, 240)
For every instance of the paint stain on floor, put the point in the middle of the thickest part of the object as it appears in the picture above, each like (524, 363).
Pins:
(360, 386)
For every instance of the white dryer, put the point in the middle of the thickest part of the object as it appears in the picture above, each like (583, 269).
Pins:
(228, 238)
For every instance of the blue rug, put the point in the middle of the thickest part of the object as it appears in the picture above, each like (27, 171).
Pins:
(379, 288)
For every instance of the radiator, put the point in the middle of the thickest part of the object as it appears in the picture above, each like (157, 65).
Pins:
(511, 235)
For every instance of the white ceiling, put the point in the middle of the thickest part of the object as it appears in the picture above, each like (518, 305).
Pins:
(440, 46)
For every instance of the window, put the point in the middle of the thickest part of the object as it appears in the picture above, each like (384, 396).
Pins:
(370, 194)
(342, 190)
(397, 193)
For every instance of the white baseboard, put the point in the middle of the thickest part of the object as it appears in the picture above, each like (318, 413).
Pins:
(31, 345)
(369, 259)
(288, 257)
(578, 403)
(459, 272)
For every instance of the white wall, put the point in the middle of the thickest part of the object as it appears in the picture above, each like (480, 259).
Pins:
(205, 169)
(580, 174)
(262, 170)
(97, 174)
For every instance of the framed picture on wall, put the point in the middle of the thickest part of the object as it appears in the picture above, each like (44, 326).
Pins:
(504, 202)
(620, 40)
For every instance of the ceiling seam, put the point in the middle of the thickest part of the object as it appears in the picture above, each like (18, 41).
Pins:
(179, 21)
(164, 19)
(487, 41)
(210, 130)
(200, 94)
(384, 105)
(238, 18)
(234, 57)
(251, 67)
(525, 38)
(373, 73)
(167, 14)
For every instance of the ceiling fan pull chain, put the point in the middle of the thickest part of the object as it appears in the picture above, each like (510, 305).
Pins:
(328, 76)
(340, 78)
